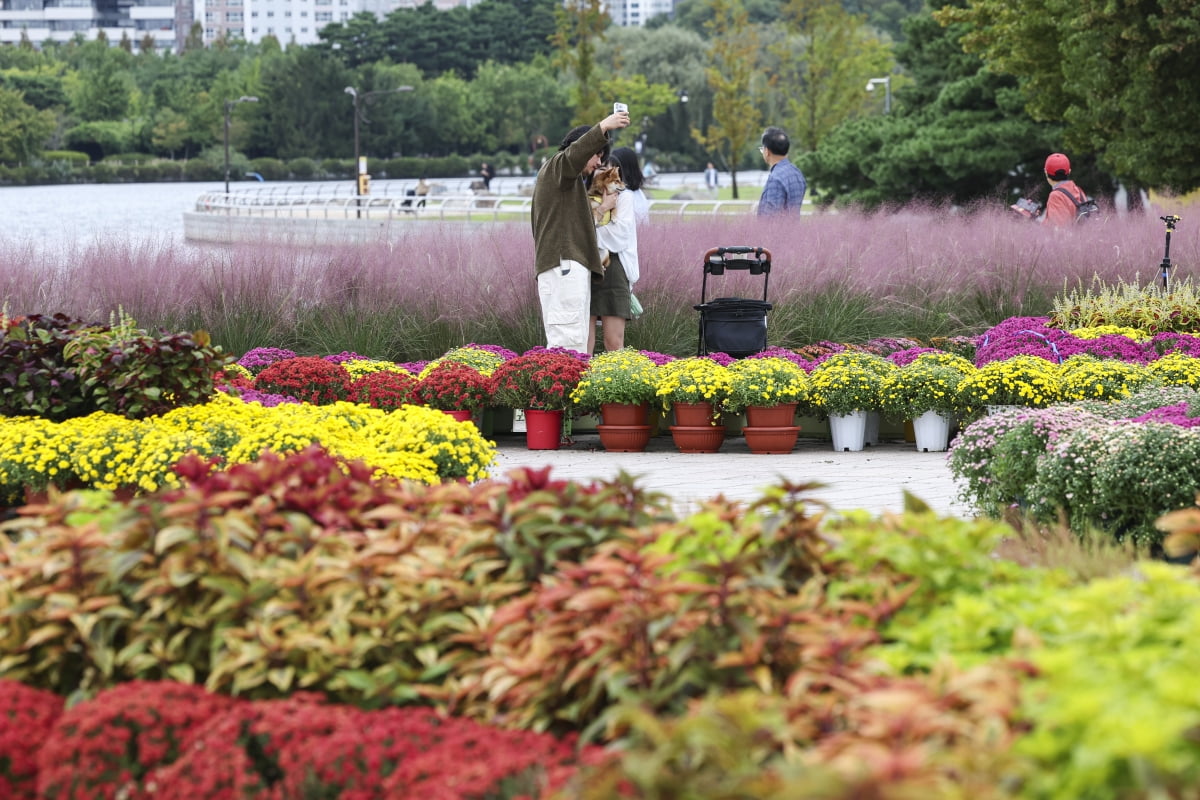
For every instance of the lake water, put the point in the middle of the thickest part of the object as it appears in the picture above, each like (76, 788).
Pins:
(56, 215)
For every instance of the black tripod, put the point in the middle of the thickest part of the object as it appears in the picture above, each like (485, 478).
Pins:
(1170, 220)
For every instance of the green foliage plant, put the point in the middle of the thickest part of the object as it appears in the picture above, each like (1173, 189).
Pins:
(290, 573)
(130, 372)
(765, 382)
(1129, 305)
(618, 376)
(35, 377)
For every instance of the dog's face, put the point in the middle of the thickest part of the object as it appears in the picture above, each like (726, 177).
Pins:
(604, 180)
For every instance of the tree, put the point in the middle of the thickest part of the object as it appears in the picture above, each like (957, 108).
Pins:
(41, 89)
(737, 121)
(102, 87)
(580, 24)
(518, 102)
(957, 132)
(825, 76)
(304, 109)
(672, 58)
(1119, 75)
(23, 128)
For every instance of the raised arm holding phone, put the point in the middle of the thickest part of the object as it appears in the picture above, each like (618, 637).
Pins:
(566, 254)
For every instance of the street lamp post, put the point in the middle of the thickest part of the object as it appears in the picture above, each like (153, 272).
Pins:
(360, 163)
(887, 91)
(229, 104)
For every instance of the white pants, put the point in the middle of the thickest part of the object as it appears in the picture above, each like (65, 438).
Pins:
(565, 293)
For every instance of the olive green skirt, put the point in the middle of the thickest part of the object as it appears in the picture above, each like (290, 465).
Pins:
(610, 298)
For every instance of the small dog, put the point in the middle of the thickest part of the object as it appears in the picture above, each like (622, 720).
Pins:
(605, 180)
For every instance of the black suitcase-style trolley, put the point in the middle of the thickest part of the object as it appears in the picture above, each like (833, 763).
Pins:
(734, 325)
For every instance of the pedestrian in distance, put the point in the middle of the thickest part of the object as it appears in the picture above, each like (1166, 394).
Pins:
(566, 253)
(612, 299)
(784, 190)
(712, 179)
(486, 173)
(1063, 205)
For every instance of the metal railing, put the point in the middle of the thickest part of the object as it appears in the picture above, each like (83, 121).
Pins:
(301, 202)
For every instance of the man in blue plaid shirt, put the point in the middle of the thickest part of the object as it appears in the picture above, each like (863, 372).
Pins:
(784, 190)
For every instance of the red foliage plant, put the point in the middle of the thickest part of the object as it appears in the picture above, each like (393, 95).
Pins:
(451, 386)
(26, 717)
(386, 390)
(306, 378)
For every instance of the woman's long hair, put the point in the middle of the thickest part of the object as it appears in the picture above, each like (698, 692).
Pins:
(625, 160)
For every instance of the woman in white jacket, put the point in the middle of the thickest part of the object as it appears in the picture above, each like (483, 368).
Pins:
(611, 299)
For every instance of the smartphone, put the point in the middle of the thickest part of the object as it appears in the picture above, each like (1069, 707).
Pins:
(619, 107)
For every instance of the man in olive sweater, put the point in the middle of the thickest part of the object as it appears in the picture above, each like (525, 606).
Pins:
(564, 233)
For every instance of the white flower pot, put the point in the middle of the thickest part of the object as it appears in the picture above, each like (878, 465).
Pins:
(849, 431)
(872, 434)
(932, 431)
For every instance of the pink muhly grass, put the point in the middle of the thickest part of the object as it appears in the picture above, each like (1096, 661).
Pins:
(961, 267)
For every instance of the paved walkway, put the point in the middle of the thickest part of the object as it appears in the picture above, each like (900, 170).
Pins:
(873, 479)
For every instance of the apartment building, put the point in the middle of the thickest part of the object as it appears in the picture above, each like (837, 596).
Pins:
(169, 21)
(60, 20)
(635, 13)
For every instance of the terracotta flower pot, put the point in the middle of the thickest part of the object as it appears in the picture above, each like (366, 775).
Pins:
(777, 416)
(771, 440)
(624, 413)
(692, 415)
(624, 438)
(698, 438)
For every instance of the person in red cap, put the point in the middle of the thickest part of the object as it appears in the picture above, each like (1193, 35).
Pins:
(1061, 206)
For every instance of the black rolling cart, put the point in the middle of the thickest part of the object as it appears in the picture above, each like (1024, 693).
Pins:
(734, 325)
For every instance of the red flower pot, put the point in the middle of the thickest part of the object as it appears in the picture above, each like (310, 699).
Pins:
(543, 429)
(460, 414)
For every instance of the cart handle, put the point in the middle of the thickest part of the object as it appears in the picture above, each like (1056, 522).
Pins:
(716, 259)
